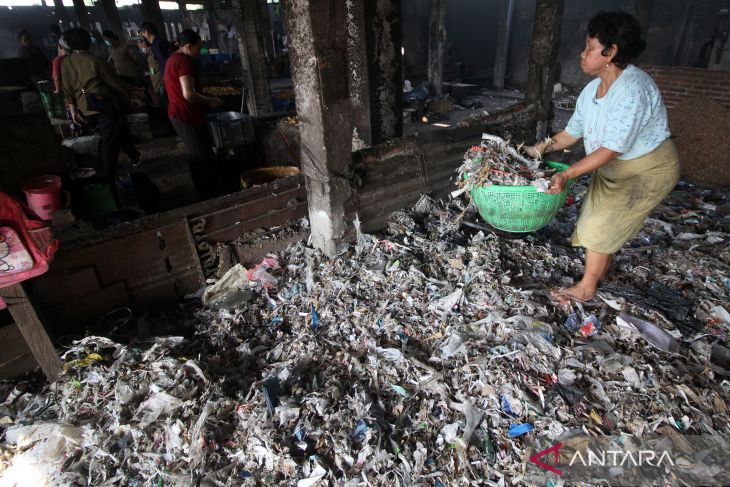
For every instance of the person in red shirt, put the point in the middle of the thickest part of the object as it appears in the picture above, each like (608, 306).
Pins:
(185, 109)
(62, 51)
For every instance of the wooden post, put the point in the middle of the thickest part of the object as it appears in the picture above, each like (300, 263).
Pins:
(151, 13)
(82, 14)
(317, 53)
(32, 329)
(385, 62)
(503, 34)
(114, 22)
(262, 8)
(358, 82)
(436, 38)
(253, 56)
(543, 56)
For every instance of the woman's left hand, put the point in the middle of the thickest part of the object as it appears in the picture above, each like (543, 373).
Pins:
(557, 183)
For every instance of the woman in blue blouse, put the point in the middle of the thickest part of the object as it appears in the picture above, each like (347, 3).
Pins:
(623, 123)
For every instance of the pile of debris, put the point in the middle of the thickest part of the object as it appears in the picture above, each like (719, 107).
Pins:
(429, 354)
(496, 161)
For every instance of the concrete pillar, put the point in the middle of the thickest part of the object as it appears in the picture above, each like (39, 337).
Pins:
(503, 34)
(82, 14)
(113, 21)
(253, 56)
(151, 13)
(61, 14)
(383, 36)
(436, 39)
(543, 57)
(317, 53)
(357, 69)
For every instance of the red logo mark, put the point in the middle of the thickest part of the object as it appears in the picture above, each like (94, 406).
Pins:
(555, 448)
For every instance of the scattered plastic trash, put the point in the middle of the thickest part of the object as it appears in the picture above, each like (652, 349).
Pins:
(656, 336)
(496, 161)
(430, 372)
(587, 327)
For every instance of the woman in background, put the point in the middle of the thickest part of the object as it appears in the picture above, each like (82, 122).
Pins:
(185, 109)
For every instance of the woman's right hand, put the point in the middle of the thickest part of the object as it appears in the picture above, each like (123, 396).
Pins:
(77, 117)
(533, 151)
(558, 182)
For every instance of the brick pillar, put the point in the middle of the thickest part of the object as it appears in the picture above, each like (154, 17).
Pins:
(151, 12)
(113, 21)
(436, 40)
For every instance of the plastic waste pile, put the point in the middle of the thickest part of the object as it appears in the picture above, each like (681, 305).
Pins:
(496, 161)
(428, 354)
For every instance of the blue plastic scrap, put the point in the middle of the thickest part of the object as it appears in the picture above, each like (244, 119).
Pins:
(271, 394)
(519, 429)
(507, 407)
(315, 318)
(360, 429)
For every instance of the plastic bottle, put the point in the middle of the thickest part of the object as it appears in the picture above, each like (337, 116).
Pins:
(125, 189)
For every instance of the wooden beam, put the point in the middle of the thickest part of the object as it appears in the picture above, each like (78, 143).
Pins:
(253, 56)
(385, 61)
(113, 21)
(82, 14)
(503, 34)
(32, 329)
(543, 58)
(59, 10)
(358, 82)
(151, 12)
(436, 40)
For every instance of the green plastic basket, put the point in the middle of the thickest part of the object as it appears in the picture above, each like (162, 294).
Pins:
(53, 104)
(519, 209)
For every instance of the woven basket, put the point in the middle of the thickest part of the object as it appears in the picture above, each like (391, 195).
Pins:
(263, 175)
(519, 209)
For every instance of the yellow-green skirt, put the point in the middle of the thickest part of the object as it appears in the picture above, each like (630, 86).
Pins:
(621, 195)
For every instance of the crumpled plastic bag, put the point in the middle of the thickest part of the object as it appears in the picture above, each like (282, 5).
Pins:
(229, 291)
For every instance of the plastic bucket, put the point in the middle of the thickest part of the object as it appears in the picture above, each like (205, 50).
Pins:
(99, 199)
(44, 195)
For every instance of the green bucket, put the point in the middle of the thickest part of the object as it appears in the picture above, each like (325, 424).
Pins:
(519, 209)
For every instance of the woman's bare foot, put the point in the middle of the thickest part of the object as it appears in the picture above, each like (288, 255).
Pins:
(576, 293)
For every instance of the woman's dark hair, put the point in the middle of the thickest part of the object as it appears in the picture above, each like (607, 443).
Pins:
(621, 29)
(110, 35)
(23, 33)
(77, 39)
(188, 36)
